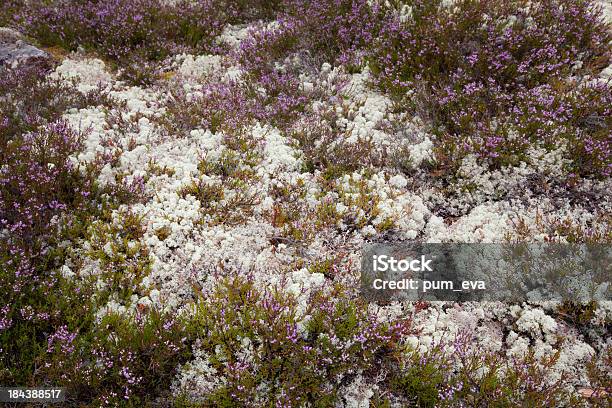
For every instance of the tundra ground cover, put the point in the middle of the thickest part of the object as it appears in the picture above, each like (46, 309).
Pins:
(184, 196)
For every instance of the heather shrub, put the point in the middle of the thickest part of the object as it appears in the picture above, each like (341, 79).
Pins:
(335, 31)
(496, 77)
(348, 203)
(218, 106)
(565, 229)
(46, 100)
(266, 45)
(39, 181)
(250, 10)
(283, 99)
(136, 358)
(327, 146)
(299, 348)
(450, 375)
(225, 195)
(117, 361)
(123, 259)
(599, 371)
(132, 34)
(293, 349)
(48, 207)
(136, 35)
(39, 306)
(578, 234)
(231, 106)
(37, 185)
(104, 356)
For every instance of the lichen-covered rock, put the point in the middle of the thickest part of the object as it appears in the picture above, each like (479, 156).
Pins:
(14, 50)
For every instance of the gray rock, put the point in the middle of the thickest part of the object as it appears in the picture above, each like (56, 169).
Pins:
(14, 50)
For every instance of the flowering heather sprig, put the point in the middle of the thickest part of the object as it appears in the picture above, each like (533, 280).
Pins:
(5, 320)
(62, 338)
(251, 10)
(283, 100)
(323, 142)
